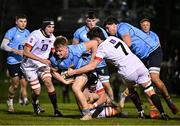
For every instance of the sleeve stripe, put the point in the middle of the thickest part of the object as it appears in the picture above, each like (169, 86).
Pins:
(27, 45)
(98, 59)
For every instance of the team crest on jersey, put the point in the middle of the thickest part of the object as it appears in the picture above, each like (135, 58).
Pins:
(50, 41)
(18, 36)
(112, 41)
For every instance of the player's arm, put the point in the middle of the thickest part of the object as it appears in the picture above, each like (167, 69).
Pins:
(60, 78)
(127, 39)
(89, 67)
(27, 53)
(102, 99)
(92, 45)
(4, 46)
(75, 41)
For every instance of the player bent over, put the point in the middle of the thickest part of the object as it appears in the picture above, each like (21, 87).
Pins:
(129, 66)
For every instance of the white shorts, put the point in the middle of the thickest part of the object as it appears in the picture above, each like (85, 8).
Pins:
(140, 76)
(33, 70)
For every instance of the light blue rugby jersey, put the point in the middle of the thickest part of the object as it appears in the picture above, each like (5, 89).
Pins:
(141, 44)
(153, 36)
(17, 39)
(74, 58)
(81, 35)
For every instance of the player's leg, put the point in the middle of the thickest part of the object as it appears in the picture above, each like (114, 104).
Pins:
(23, 91)
(77, 87)
(154, 64)
(137, 101)
(14, 76)
(154, 98)
(45, 75)
(103, 75)
(145, 82)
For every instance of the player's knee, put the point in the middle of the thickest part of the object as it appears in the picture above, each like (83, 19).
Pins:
(46, 75)
(149, 90)
(35, 84)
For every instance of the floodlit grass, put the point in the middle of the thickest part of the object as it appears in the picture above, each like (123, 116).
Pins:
(24, 115)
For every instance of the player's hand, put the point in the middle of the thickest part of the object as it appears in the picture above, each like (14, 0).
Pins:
(45, 61)
(91, 106)
(69, 81)
(16, 51)
(70, 72)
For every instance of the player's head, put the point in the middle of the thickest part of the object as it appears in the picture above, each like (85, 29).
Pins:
(145, 25)
(60, 45)
(110, 25)
(95, 34)
(48, 26)
(91, 19)
(92, 80)
(21, 21)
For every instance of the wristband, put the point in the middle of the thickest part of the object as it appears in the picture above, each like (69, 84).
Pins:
(95, 104)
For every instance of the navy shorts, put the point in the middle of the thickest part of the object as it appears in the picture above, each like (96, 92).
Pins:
(15, 70)
(154, 59)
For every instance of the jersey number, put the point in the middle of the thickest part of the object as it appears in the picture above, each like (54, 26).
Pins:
(44, 47)
(122, 47)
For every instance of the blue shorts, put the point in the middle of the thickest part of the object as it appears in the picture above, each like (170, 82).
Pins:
(153, 62)
(15, 70)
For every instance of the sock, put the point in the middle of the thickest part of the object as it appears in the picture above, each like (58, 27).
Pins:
(53, 99)
(157, 102)
(11, 92)
(136, 100)
(85, 111)
(35, 98)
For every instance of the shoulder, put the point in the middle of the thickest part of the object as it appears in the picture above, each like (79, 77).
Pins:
(81, 29)
(11, 30)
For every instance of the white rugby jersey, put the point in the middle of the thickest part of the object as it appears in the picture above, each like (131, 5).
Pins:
(119, 53)
(41, 45)
(98, 88)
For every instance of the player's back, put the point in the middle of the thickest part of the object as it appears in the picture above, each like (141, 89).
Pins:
(141, 44)
(118, 52)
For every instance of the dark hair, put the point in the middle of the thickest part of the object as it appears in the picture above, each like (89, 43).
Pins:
(47, 21)
(91, 15)
(144, 19)
(60, 40)
(110, 20)
(96, 32)
(18, 16)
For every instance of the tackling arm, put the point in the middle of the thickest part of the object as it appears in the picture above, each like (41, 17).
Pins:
(127, 39)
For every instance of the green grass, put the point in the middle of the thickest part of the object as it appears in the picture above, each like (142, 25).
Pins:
(24, 115)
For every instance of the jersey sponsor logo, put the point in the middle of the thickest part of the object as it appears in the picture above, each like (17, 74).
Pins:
(112, 41)
(42, 41)
(31, 40)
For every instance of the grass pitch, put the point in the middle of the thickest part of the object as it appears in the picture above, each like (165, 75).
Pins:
(24, 115)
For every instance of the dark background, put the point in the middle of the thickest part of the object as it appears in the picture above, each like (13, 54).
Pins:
(69, 15)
